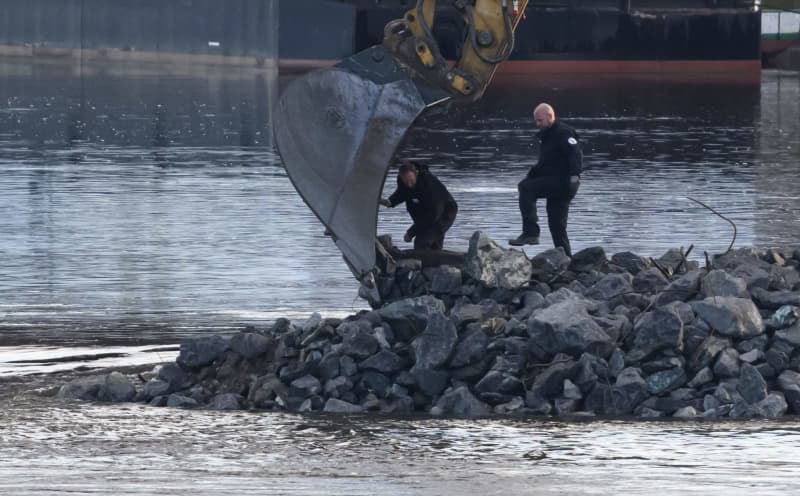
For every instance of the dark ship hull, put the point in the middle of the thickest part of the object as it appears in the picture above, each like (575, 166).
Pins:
(645, 37)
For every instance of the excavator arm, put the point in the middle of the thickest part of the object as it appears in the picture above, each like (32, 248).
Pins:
(337, 129)
(489, 41)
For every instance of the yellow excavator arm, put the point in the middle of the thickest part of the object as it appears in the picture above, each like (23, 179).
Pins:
(489, 41)
(337, 129)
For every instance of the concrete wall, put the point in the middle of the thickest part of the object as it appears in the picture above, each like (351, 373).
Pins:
(212, 27)
(316, 29)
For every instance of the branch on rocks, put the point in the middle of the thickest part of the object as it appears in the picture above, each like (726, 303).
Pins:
(684, 256)
(664, 270)
(720, 216)
(557, 276)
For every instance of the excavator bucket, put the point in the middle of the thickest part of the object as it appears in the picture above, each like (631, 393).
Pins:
(336, 131)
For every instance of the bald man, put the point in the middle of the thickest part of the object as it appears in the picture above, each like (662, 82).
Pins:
(556, 177)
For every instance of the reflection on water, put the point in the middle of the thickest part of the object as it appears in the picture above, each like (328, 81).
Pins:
(139, 208)
(135, 449)
(136, 207)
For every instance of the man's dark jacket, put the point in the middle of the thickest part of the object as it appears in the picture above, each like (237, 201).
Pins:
(560, 153)
(428, 202)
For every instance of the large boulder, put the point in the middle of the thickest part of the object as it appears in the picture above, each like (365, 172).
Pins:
(746, 264)
(385, 362)
(730, 316)
(117, 388)
(176, 377)
(681, 289)
(775, 299)
(649, 281)
(249, 344)
(265, 389)
(494, 266)
(199, 352)
(630, 261)
(592, 258)
(312, 322)
(464, 313)
(471, 348)
(616, 326)
(155, 387)
(752, 385)
(567, 327)
(701, 378)
(358, 341)
(114, 387)
(566, 294)
(329, 366)
(548, 264)
(497, 386)
(783, 317)
(791, 335)
(84, 388)
(305, 386)
(176, 400)
(376, 383)
(531, 300)
(789, 382)
(610, 286)
(720, 283)
(627, 393)
(784, 278)
(335, 405)
(429, 381)
(226, 401)
(665, 381)
(673, 258)
(460, 402)
(549, 383)
(409, 317)
(655, 331)
(727, 365)
(708, 350)
(444, 279)
(773, 406)
(435, 345)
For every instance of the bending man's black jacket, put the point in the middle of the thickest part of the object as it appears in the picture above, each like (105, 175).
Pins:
(427, 202)
(560, 153)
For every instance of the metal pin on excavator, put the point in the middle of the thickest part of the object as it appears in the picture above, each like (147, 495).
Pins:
(336, 129)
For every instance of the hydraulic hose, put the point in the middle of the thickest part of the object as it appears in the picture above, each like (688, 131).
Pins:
(423, 22)
(473, 36)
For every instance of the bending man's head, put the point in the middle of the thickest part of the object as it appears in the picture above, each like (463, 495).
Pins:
(544, 116)
(408, 174)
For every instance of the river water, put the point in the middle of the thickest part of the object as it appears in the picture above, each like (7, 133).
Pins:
(136, 209)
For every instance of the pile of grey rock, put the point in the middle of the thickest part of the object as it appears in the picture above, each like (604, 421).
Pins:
(505, 334)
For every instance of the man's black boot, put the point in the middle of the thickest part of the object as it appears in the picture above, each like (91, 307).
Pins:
(524, 239)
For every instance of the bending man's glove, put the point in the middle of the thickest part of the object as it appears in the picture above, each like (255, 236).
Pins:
(385, 202)
(408, 237)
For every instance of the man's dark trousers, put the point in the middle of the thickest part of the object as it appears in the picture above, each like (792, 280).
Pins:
(559, 194)
(432, 237)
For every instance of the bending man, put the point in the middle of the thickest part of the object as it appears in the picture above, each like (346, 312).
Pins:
(556, 177)
(431, 206)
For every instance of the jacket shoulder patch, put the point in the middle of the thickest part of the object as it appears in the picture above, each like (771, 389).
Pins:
(572, 141)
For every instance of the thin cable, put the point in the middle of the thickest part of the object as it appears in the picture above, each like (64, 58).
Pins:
(422, 21)
(473, 36)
